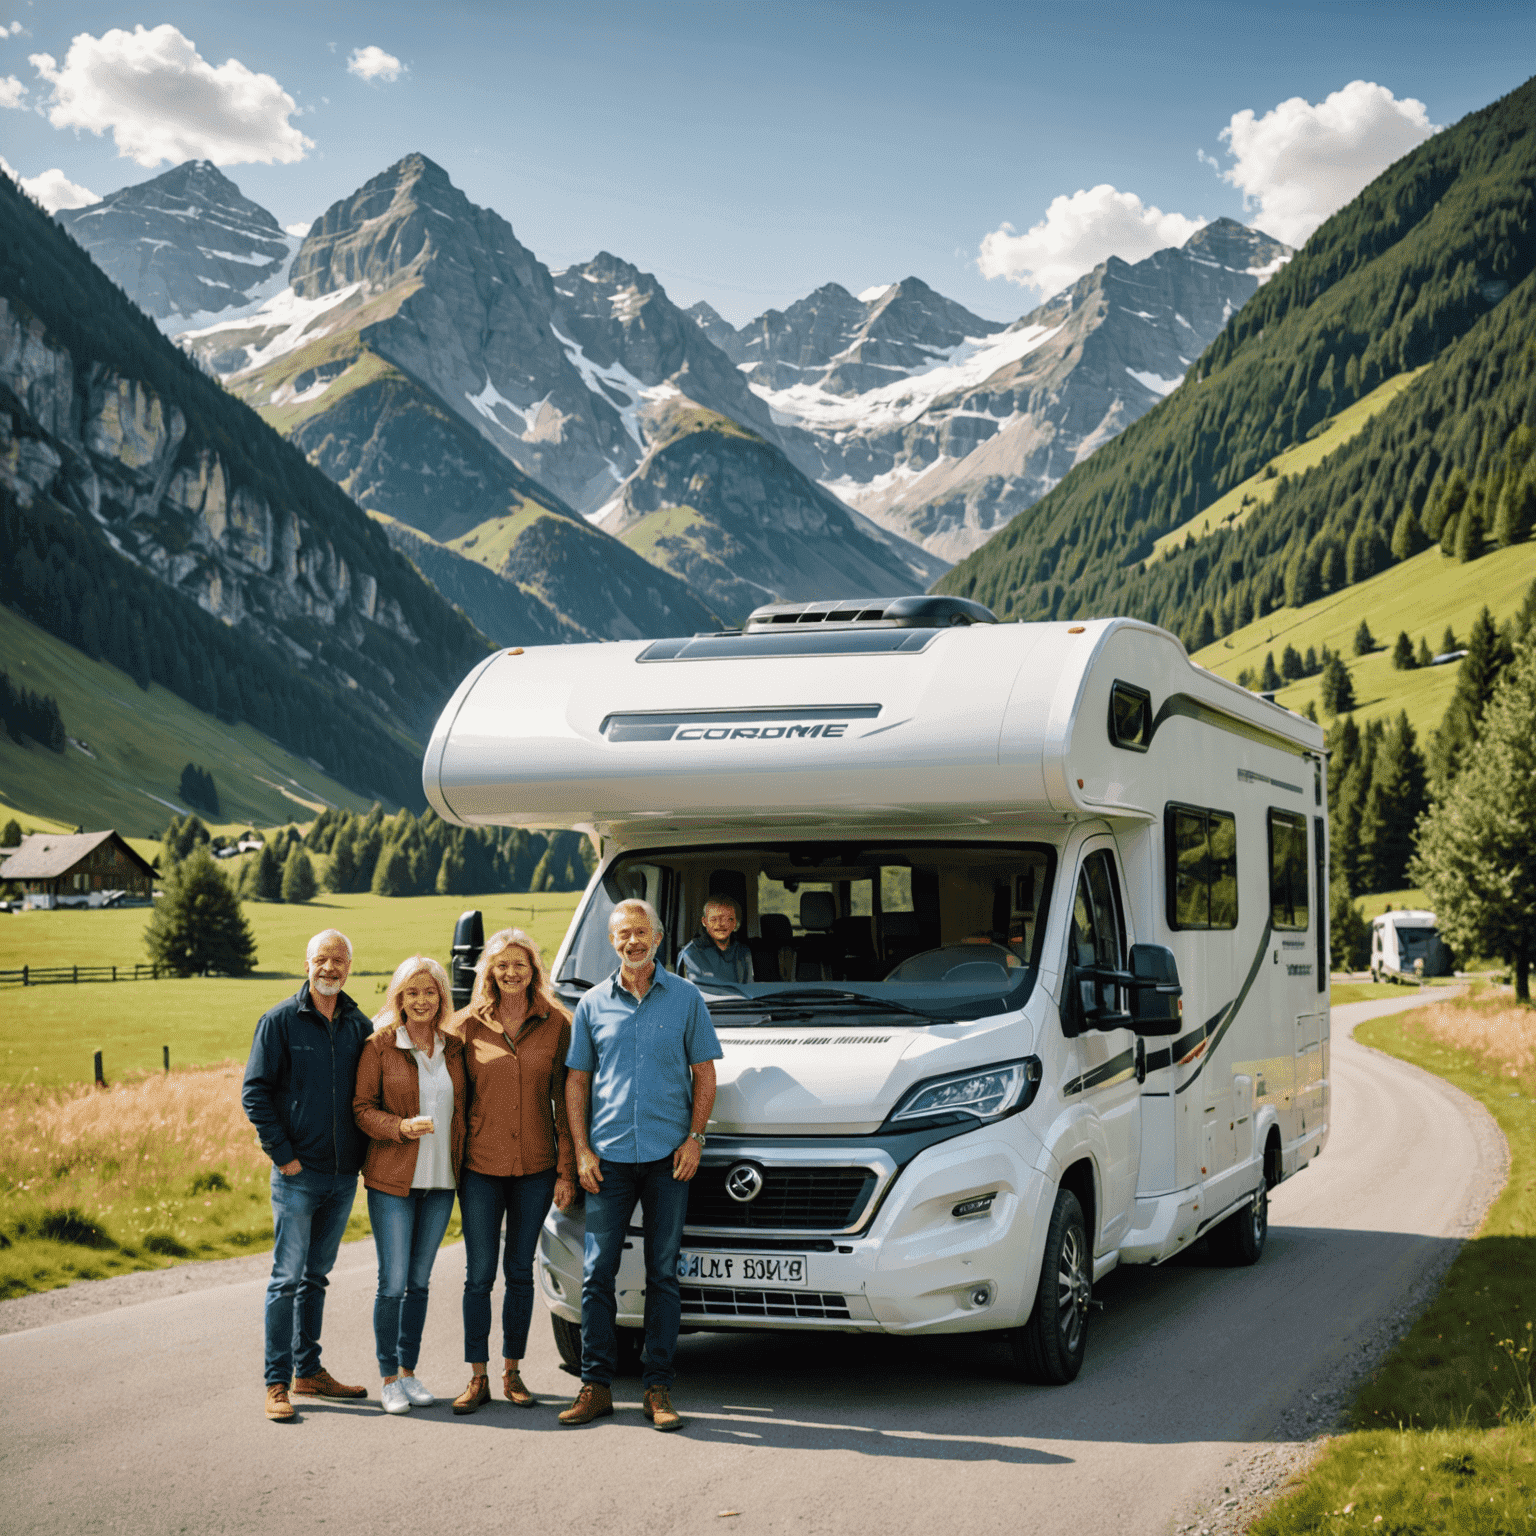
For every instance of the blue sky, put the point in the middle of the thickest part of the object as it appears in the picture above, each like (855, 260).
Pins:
(747, 153)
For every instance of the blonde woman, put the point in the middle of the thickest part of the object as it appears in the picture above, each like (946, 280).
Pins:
(518, 1153)
(409, 1100)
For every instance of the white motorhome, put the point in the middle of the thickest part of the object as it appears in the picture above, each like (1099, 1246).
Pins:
(1038, 917)
(1406, 945)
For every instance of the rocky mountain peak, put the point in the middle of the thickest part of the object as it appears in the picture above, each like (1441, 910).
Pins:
(187, 245)
(1235, 245)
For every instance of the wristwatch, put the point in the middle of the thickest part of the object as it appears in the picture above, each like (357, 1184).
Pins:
(697, 1136)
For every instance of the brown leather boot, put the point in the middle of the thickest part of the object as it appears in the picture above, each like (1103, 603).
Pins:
(513, 1390)
(477, 1392)
(323, 1384)
(659, 1410)
(594, 1401)
(278, 1406)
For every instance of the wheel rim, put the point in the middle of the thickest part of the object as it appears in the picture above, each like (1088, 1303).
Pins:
(1073, 1289)
(1259, 1215)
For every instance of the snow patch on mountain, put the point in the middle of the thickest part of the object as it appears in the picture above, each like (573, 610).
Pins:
(1155, 382)
(618, 386)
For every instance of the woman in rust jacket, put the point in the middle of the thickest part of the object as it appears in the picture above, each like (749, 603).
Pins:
(518, 1153)
(410, 1100)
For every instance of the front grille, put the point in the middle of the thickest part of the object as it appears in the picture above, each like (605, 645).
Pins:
(791, 1199)
(722, 1301)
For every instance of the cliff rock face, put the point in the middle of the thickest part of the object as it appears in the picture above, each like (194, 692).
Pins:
(186, 246)
(109, 448)
(942, 426)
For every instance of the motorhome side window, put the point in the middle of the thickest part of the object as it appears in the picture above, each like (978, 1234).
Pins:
(1202, 867)
(1130, 717)
(1288, 870)
(944, 922)
(1097, 937)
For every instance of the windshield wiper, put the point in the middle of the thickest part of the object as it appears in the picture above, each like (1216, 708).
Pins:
(575, 981)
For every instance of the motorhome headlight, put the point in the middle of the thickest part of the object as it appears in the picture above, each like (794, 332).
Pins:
(985, 1093)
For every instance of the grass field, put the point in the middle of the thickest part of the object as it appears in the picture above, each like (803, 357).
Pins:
(48, 1034)
(1422, 596)
(1236, 506)
(1444, 1442)
(126, 771)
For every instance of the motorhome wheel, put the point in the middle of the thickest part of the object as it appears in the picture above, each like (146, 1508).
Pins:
(1240, 1238)
(1049, 1348)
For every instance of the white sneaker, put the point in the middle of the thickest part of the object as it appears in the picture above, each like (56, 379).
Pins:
(415, 1392)
(392, 1395)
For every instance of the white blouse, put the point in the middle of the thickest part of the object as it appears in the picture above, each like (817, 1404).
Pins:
(434, 1153)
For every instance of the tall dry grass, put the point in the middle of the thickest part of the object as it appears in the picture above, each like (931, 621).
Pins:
(1499, 1033)
(95, 1181)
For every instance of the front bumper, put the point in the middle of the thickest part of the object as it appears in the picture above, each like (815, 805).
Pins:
(911, 1265)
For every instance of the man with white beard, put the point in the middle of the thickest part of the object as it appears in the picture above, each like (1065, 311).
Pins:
(298, 1091)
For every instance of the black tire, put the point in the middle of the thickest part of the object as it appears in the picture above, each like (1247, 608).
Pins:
(567, 1340)
(1049, 1348)
(1239, 1240)
(631, 1343)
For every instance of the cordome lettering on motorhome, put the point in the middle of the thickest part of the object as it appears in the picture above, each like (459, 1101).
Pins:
(1038, 922)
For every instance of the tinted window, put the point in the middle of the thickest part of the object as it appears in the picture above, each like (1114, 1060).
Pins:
(1130, 717)
(1287, 869)
(1202, 868)
(1097, 931)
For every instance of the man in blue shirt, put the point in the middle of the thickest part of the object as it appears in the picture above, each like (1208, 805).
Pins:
(642, 1065)
(299, 1084)
(720, 956)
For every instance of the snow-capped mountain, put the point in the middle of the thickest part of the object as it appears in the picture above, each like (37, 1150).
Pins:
(186, 246)
(941, 426)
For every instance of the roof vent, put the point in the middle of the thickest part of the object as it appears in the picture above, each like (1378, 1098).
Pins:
(918, 612)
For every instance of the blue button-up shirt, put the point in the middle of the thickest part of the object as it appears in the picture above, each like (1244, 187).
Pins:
(639, 1051)
(704, 960)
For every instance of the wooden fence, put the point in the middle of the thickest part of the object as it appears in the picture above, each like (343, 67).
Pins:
(53, 975)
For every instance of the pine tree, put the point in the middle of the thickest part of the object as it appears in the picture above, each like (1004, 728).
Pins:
(1270, 680)
(1407, 537)
(1422, 656)
(298, 875)
(1487, 656)
(10, 834)
(1448, 641)
(263, 876)
(1347, 929)
(1397, 799)
(1516, 512)
(451, 873)
(1312, 664)
(1338, 688)
(392, 875)
(1291, 665)
(1205, 629)
(1477, 846)
(1365, 641)
(197, 925)
(341, 875)
(1402, 653)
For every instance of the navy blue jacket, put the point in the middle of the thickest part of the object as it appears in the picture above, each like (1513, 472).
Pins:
(300, 1080)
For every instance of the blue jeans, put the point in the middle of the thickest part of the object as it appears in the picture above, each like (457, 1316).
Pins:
(483, 1201)
(664, 1202)
(407, 1231)
(309, 1215)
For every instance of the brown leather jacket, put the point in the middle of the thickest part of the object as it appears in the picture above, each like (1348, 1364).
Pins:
(517, 1122)
(389, 1091)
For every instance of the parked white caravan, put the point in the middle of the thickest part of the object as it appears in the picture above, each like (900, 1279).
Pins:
(1406, 945)
(1038, 918)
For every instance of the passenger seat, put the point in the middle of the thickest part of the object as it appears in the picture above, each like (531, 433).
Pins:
(778, 940)
(817, 952)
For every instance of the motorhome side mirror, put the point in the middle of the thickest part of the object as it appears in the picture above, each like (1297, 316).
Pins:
(1156, 995)
(468, 941)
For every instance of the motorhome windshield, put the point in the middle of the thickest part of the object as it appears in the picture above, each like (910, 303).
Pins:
(1414, 943)
(916, 931)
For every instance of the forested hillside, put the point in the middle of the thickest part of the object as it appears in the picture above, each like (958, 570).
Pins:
(1430, 265)
(148, 517)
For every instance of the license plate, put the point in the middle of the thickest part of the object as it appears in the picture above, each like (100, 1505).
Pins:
(772, 1269)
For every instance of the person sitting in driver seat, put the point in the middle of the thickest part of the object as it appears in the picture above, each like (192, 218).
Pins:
(719, 955)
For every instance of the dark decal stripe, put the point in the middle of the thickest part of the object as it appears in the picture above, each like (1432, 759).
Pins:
(1186, 1043)
(1124, 1062)
(1186, 706)
(1231, 1013)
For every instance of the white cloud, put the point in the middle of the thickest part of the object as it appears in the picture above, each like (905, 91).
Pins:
(372, 63)
(1299, 162)
(163, 101)
(1079, 232)
(14, 30)
(298, 231)
(53, 189)
(12, 92)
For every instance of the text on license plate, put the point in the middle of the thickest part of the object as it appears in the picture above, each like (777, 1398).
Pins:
(743, 1268)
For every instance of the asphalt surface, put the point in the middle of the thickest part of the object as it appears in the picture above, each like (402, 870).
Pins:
(146, 1415)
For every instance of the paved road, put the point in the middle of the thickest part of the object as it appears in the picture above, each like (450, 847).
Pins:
(148, 1418)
